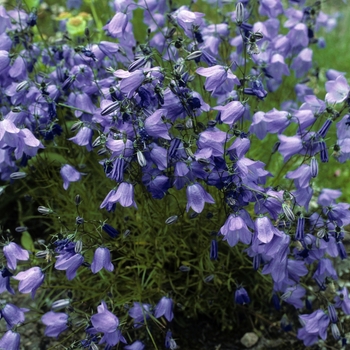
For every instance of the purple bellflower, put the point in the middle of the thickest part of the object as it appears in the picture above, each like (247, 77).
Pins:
(337, 90)
(315, 325)
(241, 296)
(30, 280)
(234, 230)
(12, 315)
(342, 300)
(164, 308)
(70, 263)
(14, 252)
(106, 322)
(197, 197)
(55, 322)
(102, 259)
(10, 341)
(5, 275)
(137, 345)
(124, 195)
(69, 174)
(140, 312)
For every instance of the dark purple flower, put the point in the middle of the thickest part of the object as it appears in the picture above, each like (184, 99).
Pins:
(241, 296)
(111, 231)
(5, 275)
(342, 300)
(30, 280)
(55, 322)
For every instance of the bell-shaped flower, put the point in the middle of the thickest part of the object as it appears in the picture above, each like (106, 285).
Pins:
(69, 263)
(197, 197)
(231, 113)
(315, 324)
(13, 315)
(265, 230)
(55, 322)
(217, 76)
(337, 90)
(83, 138)
(10, 341)
(241, 296)
(14, 252)
(30, 280)
(164, 308)
(5, 275)
(137, 345)
(124, 195)
(235, 230)
(106, 322)
(140, 312)
(69, 174)
(117, 25)
(102, 259)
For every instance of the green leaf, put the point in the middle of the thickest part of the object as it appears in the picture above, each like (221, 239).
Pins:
(27, 241)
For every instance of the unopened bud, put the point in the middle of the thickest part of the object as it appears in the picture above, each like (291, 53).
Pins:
(141, 159)
(314, 167)
(288, 212)
(76, 126)
(77, 199)
(44, 210)
(60, 304)
(78, 246)
(239, 14)
(184, 268)
(208, 278)
(171, 219)
(22, 86)
(110, 108)
(79, 220)
(194, 55)
(21, 228)
(18, 175)
(137, 64)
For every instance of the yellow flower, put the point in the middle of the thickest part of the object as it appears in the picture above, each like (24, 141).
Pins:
(76, 25)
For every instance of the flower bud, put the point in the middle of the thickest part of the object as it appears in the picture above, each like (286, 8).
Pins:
(21, 228)
(239, 14)
(208, 278)
(171, 219)
(110, 108)
(18, 175)
(141, 159)
(79, 220)
(22, 86)
(78, 246)
(77, 199)
(288, 212)
(194, 55)
(44, 210)
(60, 304)
(314, 167)
(183, 268)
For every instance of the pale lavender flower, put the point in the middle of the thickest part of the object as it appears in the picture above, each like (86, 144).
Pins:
(124, 195)
(231, 113)
(102, 259)
(234, 230)
(13, 315)
(265, 230)
(30, 280)
(55, 322)
(69, 174)
(117, 25)
(197, 197)
(83, 138)
(69, 263)
(302, 63)
(337, 90)
(14, 252)
(137, 345)
(5, 275)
